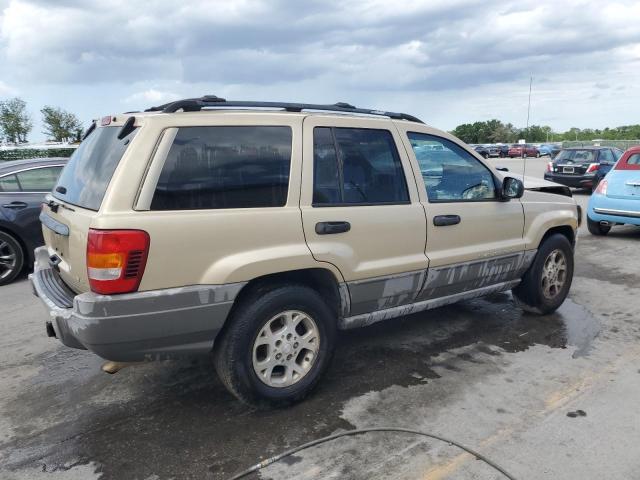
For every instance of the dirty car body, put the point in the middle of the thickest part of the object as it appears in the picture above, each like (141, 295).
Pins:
(195, 223)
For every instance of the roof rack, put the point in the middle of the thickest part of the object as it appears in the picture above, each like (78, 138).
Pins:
(197, 104)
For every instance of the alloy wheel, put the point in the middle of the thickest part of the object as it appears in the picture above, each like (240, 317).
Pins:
(554, 274)
(286, 348)
(8, 259)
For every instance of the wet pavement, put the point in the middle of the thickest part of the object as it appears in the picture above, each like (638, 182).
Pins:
(505, 383)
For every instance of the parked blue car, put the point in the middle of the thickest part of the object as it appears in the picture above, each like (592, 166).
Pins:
(616, 200)
(549, 149)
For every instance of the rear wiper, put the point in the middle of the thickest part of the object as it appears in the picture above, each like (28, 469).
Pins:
(127, 128)
(91, 128)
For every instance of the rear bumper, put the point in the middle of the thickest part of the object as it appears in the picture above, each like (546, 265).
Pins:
(614, 210)
(135, 326)
(575, 181)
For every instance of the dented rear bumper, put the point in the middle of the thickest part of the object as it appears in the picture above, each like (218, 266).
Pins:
(135, 326)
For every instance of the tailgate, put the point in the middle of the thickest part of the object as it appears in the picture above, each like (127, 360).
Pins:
(69, 243)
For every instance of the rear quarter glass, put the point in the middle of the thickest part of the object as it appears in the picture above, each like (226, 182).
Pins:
(84, 180)
(632, 162)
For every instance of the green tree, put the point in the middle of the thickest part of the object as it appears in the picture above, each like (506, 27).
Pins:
(15, 122)
(60, 125)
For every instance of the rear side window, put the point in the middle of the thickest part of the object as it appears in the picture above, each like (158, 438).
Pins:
(606, 156)
(9, 183)
(38, 179)
(84, 180)
(356, 166)
(225, 167)
(631, 163)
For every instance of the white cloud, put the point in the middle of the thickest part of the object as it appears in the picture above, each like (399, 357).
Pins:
(151, 96)
(437, 59)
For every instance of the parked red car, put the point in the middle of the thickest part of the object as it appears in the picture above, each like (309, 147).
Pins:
(523, 150)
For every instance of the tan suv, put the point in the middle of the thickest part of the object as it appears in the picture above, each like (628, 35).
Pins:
(254, 231)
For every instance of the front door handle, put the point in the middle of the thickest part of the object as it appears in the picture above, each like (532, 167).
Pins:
(444, 220)
(329, 228)
(15, 205)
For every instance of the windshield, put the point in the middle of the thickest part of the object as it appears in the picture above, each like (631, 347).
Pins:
(577, 156)
(85, 178)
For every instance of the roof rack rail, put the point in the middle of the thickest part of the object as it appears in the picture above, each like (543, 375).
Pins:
(197, 104)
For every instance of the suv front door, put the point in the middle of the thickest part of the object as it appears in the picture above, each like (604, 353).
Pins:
(474, 240)
(361, 211)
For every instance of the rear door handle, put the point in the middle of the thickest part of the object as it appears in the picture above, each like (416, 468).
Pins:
(444, 220)
(329, 228)
(15, 205)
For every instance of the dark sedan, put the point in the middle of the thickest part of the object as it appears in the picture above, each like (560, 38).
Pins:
(23, 186)
(582, 167)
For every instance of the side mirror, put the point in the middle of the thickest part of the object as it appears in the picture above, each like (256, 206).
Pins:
(512, 188)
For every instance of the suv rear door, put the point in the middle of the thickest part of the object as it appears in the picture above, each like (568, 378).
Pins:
(473, 239)
(361, 211)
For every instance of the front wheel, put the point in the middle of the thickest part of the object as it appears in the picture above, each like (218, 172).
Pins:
(276, 346)
(595, 228)
(547, 282)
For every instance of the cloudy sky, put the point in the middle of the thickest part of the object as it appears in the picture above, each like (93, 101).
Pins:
(445, 61)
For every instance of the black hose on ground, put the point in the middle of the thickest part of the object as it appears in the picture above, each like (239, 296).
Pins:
(360, 431)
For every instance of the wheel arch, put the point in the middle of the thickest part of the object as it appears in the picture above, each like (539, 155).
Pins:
(322, 280)
(565, 230)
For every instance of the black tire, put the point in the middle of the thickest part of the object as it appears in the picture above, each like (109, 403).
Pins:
(233, 352)
(10, 251)
(529, 293)
(538, 155)
(596, 229)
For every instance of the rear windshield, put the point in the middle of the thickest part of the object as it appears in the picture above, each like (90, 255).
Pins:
(86, 177)
(577, 156)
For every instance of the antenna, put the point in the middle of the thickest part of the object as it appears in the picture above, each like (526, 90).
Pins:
(524, 160)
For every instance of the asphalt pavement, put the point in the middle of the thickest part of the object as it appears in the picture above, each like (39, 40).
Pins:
(553, 397)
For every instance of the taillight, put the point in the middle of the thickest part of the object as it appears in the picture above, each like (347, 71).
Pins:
(116, 260)
(550, 167)
(601, 189)
(592, 168)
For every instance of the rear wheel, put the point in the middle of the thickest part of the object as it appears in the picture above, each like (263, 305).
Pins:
(276, 346)
(547, 282)
(11, 258)
(595, 228)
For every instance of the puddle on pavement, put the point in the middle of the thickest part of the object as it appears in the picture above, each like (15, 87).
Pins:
(404, 351)
(580, 327)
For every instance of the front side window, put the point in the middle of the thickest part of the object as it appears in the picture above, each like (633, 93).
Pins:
(9, 183)
(39, 179)
(225, 167)
(451, 173)
(356, 166)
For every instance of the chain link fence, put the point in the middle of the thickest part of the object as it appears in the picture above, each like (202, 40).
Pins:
(621, 144)
(23, 153)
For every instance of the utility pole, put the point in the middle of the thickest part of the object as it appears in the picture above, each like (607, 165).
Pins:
(529, 105)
